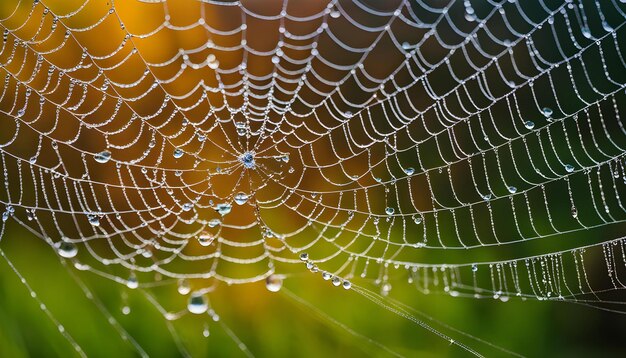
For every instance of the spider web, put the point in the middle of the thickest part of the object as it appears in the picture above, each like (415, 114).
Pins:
(471, 148)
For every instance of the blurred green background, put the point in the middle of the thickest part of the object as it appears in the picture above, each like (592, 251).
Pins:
(273, 325)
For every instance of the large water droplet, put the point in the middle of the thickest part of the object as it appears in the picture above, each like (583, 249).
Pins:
(336, 281)
(198, 303)
(178, 153)
(529, 125)
(273, 283)
(304, 256)
(247, 159)
(346, 284)
(409, 171)
(326, 275)
(205, 238)
(132, 282)
(474, 267)
(574, 212)
(102, 157)
(66, 249)
(547, 111)
(569, 168)
(223, 208)
(241, 198)
(94, 220)
(390, 211)
(417, 219)
(512, 189)
(187, 206)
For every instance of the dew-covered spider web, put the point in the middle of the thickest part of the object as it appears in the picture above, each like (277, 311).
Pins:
(464, 148)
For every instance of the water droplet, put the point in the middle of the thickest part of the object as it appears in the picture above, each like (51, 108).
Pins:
(569, 168)
(205, 238)
(198, 303)
(273, 283)
(102, 157)
(214, 64)
(326, 275)
(406, 45)
(126, 310)
(268, 233)
(205, 331)
(183, 286)
(487, 197)
(223, 208)
(474, 267)
(132, 282)
(304, 256)
(241, 198)
(529, 125)
(409, 171)
(335, 14)
(574, 212)
(214, 222)
(385, 289)
(347, 285)
(242, 132)
(336, 281)
(178, 153)
(187, 206)
(247, 159)
(512, 189)
(94, 220)
(66, 249)
(547, 111)
(417, 219)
